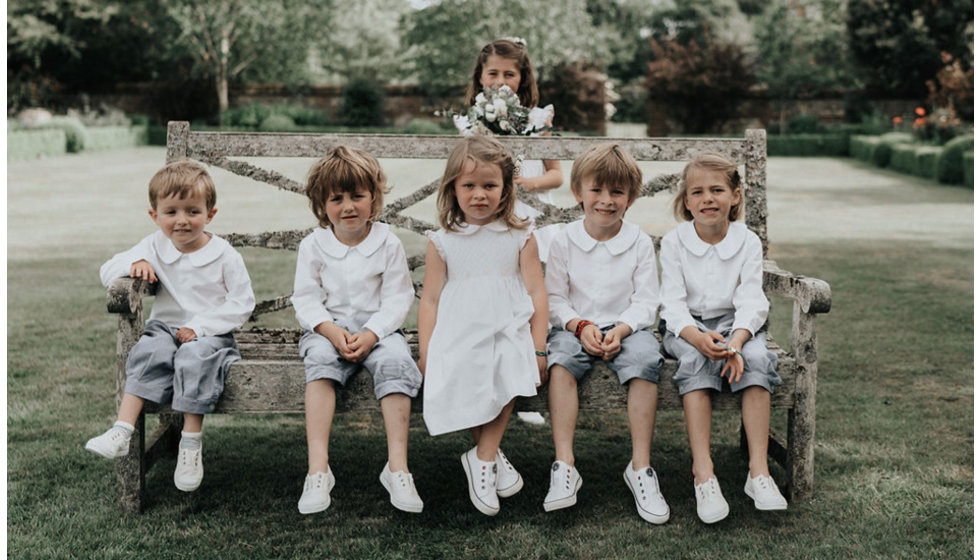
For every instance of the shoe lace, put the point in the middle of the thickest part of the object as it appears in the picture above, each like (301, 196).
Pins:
(707, 489)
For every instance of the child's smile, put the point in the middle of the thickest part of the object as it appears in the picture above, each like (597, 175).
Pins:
(604, 208)
(709, 199)
(478, 190)
(183, 220)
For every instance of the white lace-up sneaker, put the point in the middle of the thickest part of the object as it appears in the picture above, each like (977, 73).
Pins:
(114, 443)
(509, 481)
(650, 503)
(712, 506)
(401, 487)
(481, 478)
(189, 471)
(565, 483)
(316, 492)
(765, 493)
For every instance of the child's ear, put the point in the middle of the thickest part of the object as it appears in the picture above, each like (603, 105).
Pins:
(153, 214)
(211, 214)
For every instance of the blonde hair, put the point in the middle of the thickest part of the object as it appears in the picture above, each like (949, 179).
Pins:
(527, 92)
(182, 179)
(477, 149)
(709, 162)
(607, 165)
(345, 170)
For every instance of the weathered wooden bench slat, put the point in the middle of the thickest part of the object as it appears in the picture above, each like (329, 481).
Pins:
(270, 378)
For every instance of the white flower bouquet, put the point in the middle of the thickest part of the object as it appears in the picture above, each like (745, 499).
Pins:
(498, 110)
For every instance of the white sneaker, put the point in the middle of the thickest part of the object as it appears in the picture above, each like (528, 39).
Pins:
(481, 479)
(650, 503)
(316, 492)
(114, 443)
(509, 481)
(764, 491)
(565, 483)
(401, 487)
(533, 418)
(189, 471)
(712, 506)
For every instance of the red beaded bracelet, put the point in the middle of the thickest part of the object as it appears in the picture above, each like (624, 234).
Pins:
(581, 325)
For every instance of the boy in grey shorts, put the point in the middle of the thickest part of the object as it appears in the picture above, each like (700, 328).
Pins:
(603, 295)
(204, 294)
(351, 294)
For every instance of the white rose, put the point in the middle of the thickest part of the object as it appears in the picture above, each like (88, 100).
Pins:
(500, 106)
(505, 90)
(480, 99)
(505, 125)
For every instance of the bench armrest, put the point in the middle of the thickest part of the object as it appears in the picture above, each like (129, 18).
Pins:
(125, 295)
(811, 294)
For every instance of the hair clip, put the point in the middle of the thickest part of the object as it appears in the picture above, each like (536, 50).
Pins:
(517, 40)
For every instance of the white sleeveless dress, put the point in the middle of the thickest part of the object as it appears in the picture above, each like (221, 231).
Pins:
(481, 354)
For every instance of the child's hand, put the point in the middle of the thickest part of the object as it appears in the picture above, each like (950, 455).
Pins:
(185, 334)
(708, 344)
(734, 366)
(360, 345)
(337, 336)
(591, 339)
(543, 369)
(611, 344)
(142, 269)
(529, 183)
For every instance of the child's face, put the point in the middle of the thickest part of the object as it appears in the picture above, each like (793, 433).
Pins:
(499, 71)
(478, 190)
(709, 198)
(350, 214)
(182, 220)
(604, 205)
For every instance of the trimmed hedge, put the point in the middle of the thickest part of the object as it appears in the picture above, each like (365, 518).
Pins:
(968, 168)
(29, 144)
(112, 137)
(862, 147)
(807, 145)
(76, 135)
(926, 160)
(949, 168)
(903, 159)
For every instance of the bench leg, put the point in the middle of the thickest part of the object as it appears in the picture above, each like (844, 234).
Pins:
(131, 471)
(802, 417)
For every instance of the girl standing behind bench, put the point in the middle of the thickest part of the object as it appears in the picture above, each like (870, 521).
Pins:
(351, 294)
(713, 313)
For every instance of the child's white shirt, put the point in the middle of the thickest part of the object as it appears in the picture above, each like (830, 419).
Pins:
(712, 280)
(602, 281)
(208, 290)
(367, 284)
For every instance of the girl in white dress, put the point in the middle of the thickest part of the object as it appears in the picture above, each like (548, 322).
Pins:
(483, 314)
(505, 62)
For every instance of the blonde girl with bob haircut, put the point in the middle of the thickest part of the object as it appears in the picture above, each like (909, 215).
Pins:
(713, 313)
(483, 314)
(351, 294)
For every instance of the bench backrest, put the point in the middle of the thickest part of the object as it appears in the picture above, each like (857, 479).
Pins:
(220, 148)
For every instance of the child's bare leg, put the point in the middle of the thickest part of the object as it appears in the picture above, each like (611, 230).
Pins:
(697, 415)
(130, 408)
(475, 434)
(755, 418)
(563, 405)
(641, 409)
(320, 402)
(193, 423)
(492, 433)
(396, 410)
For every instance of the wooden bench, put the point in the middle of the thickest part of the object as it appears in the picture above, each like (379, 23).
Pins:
(270, 377)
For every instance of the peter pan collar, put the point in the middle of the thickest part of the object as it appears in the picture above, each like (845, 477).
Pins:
(627, 236)
(726, 248)
(469, 229)
(329, 244)
(205, 255)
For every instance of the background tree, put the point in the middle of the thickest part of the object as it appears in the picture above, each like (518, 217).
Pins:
(364, 42)
(897, 44)
(444, 38)
(227, 37)
(802, 51)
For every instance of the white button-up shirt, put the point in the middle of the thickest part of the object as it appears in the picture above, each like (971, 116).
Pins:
(712, 280)
(208, 290)
(368, 285)
(606, 282)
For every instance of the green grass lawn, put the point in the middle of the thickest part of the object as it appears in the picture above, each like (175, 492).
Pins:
(894, 457)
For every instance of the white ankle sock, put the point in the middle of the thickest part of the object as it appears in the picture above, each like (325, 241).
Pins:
(190, 440)
(125, 427)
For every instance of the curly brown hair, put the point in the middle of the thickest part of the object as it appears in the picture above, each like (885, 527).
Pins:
(345, 170)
